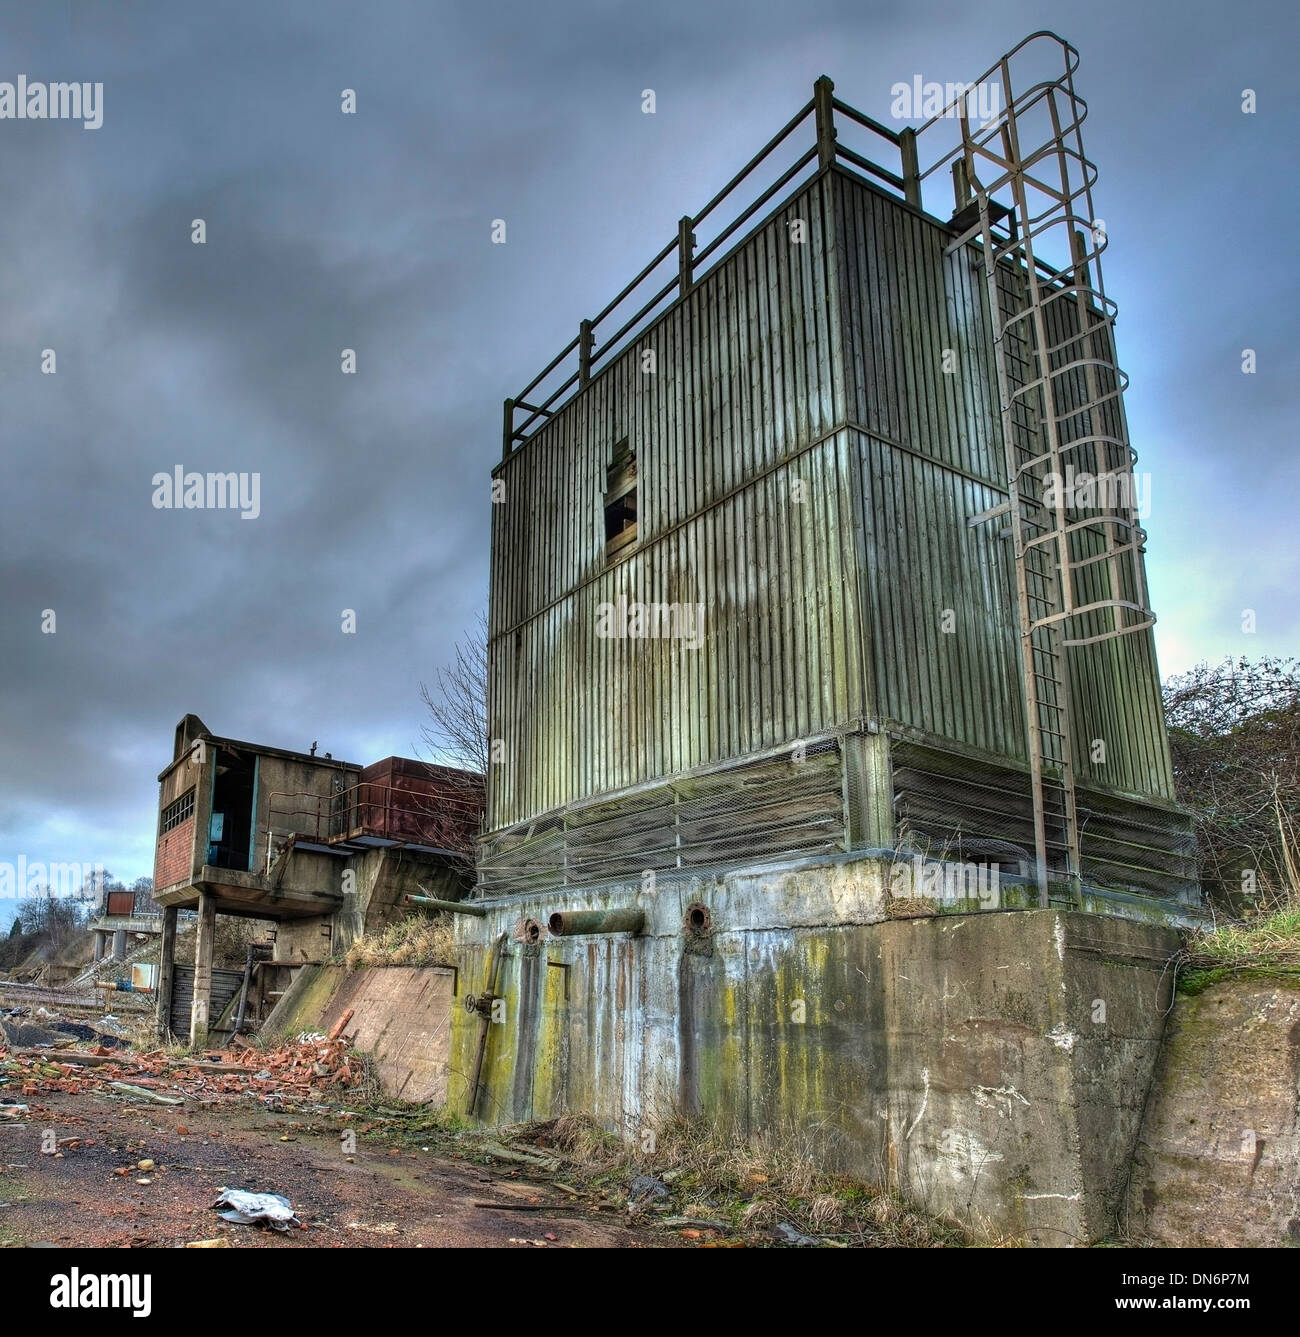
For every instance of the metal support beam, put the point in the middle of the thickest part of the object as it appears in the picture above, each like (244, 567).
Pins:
(824, 114)
(166, 971)
(911, 167)
(960, 186)
(586, 345)
(508, 429)
(452, 907)
(991, 514)
(685, 256)
(868, 791)
(203, 942)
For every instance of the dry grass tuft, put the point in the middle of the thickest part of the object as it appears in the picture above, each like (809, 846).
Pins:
(418, 941)
(1266, 944)
(1271, 941)
(714, 1173)
(911, 907)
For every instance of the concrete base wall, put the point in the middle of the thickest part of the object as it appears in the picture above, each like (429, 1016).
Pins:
(1218, 1163)
(373, 885)
(993, 1065)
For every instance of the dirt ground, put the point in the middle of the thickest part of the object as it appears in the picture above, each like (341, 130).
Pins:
(383, 1196)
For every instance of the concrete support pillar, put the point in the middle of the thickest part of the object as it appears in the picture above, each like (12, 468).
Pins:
(868, 791)
(202, 1004)
(166, 971)
(119, 944)
(99, 947)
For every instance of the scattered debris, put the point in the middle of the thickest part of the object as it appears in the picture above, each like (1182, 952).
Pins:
(246, 1209)
(646, 1189)
(518, 1157)
(140, 1093)
(787, 1234)
(294, 1071)
(23, 1026)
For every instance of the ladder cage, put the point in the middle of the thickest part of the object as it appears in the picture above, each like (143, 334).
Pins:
(1023, 191)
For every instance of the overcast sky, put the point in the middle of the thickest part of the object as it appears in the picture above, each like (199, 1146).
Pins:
(372, 232)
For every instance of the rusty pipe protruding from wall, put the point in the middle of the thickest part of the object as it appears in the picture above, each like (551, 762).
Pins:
(455, 907)
(566, 923)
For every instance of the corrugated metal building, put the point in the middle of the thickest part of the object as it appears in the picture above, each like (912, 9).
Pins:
(772, 476)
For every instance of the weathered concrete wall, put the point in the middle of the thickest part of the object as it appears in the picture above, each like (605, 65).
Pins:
(400, 1018)
(1218, 1162)
(385, 876)
(372, 898)
(1018, 1050)
(991, 1065)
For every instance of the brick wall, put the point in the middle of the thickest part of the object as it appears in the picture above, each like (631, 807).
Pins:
(173, 859)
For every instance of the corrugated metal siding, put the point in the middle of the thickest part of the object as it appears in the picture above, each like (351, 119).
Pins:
(751, 812)
(923, 561)
(779, 659)
(1114, 685)
(742, 405)
(904, 304)
(931, 456)
(820, 365)
(225, 985)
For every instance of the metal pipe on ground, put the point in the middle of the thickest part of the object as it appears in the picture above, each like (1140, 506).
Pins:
(243, 988)
(568, 923)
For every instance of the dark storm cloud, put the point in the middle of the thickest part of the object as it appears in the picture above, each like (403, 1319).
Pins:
(371, 232)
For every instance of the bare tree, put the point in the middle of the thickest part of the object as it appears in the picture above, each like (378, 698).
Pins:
(52, 917)
(456, 736)
(142, 890)
(457, 731)
(1234, 735)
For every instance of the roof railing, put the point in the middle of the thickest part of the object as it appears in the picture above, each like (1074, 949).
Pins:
(652, 292)
(373, 808)
(593, 346)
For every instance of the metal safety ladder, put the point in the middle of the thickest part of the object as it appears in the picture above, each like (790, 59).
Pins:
(1070, 511)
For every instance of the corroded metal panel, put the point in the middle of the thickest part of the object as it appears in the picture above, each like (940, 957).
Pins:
(939, 597)
(744, 517)
(813, 425)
